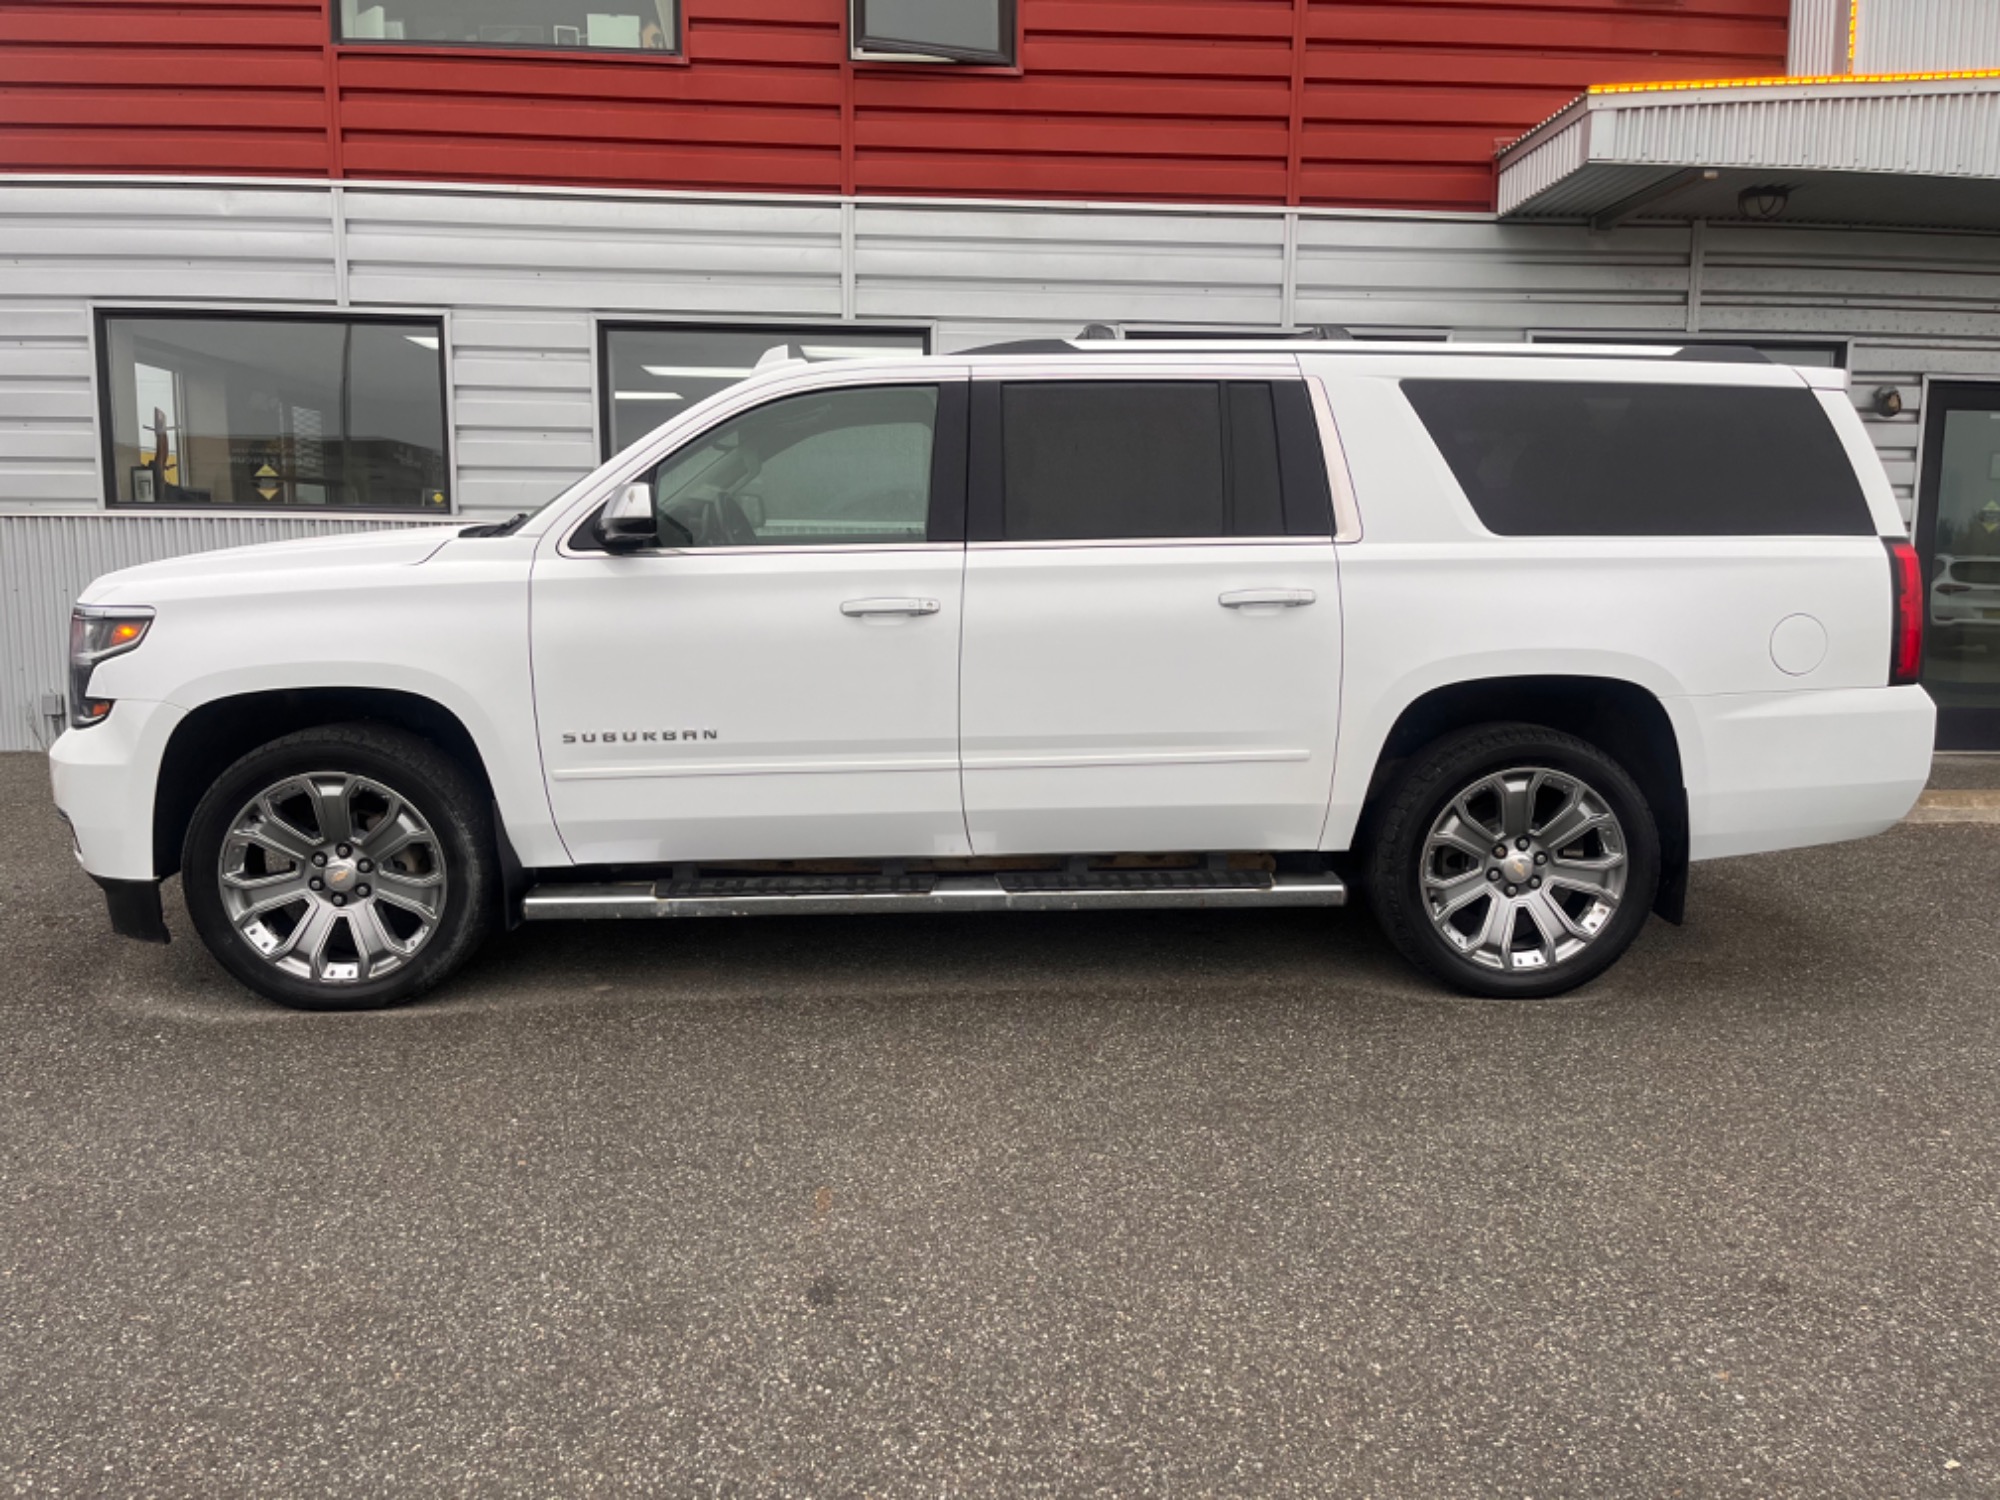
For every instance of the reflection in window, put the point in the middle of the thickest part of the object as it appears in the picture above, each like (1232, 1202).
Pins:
(974, 31)
(654, 373)
(1962, 654)
(275, 412)
(591, 25)
(823, 468)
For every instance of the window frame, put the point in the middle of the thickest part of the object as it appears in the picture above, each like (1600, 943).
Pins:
(104, 313)
(603, 327)
(674, 53)
(888, 53)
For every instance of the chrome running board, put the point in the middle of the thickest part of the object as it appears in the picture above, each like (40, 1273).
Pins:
(816, 895)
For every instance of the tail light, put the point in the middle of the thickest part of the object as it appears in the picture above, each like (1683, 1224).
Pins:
(1906, 585)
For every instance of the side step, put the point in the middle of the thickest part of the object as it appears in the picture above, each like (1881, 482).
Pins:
(814, 895)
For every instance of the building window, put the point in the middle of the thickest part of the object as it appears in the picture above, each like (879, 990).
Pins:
(335, 413)
(967, 31)
(654, 372)
(582, 25)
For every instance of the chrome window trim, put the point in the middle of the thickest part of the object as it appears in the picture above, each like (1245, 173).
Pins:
(1150, 543)
(829, 548)
(1346, 510)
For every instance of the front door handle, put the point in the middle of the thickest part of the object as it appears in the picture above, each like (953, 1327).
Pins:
(859, 607)
(1282, 598)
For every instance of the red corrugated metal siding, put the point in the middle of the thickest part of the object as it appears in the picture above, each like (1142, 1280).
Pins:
(1405, 100)
(1173, 99)
(757, 105)
(222, 86)
(1390, 102)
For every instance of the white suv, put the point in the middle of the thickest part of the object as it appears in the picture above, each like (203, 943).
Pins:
(1505, 636)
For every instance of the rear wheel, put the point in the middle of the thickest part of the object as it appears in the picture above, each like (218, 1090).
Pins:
(343, 868)
(1513, 861)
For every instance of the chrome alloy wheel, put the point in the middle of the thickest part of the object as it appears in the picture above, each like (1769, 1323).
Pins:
(1524, 869)
(332, 878)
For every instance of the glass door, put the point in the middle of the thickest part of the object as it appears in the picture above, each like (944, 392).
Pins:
(1958, 532)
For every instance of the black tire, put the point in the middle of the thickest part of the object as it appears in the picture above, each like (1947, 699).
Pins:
(1429, 782)
(435, 786)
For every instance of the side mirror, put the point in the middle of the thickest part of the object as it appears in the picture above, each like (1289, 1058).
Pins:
(626, 523)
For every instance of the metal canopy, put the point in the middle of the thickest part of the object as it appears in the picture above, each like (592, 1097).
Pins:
(1906, 150)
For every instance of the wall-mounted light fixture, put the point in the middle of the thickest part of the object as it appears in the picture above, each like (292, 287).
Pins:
(1887, 401)
(1766, 201)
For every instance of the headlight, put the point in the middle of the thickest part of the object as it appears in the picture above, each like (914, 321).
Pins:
(97, 633)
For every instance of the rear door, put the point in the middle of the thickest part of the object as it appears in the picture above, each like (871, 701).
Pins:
(1152, 642)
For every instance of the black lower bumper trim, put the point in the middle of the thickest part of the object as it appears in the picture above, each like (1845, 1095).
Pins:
(135, 909)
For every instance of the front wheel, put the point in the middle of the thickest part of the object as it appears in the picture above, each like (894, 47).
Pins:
(1514, 862)
(343, 868)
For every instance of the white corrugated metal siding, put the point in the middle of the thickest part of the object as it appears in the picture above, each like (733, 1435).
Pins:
(522, 276)
(1818, 40)
(1940, 132)
(45, 562)
(1916, 36)
(1488, 279)
(1067, 267)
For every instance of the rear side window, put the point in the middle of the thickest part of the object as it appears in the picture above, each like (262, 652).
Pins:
(1106, 460)
(1589, 458)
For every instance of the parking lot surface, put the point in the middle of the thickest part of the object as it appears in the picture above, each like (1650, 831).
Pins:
(1142, 1205)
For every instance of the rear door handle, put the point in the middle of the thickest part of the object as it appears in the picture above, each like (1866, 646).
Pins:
(1283, 598)
(858, 607)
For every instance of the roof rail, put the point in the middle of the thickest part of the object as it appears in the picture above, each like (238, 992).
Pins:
(1026, 346)
(1723, 354)
(1103, 333)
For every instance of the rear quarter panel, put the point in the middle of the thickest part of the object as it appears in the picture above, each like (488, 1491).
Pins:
(1430, 597)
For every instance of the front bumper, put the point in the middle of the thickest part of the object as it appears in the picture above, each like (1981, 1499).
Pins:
(104, 779)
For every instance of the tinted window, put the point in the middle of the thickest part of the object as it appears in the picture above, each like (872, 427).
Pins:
(1588, 458)
(282, 412)
(1258, 505)
(829, 467)
(1110, 460)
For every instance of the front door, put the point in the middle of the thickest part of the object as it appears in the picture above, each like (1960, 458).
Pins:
(778, 679)
(1152, 618)
(1958, 532)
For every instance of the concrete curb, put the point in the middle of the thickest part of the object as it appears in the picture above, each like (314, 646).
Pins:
(1956, 807)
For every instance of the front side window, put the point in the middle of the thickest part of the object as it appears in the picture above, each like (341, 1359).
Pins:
(825, 468)
(274, 412)
(974, 31)
(585, 25)
(653, 372)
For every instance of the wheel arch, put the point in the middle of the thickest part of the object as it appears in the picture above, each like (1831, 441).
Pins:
(213, 736)
(1627, 721)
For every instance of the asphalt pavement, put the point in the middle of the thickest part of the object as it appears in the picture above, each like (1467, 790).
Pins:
(1138, 1205)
